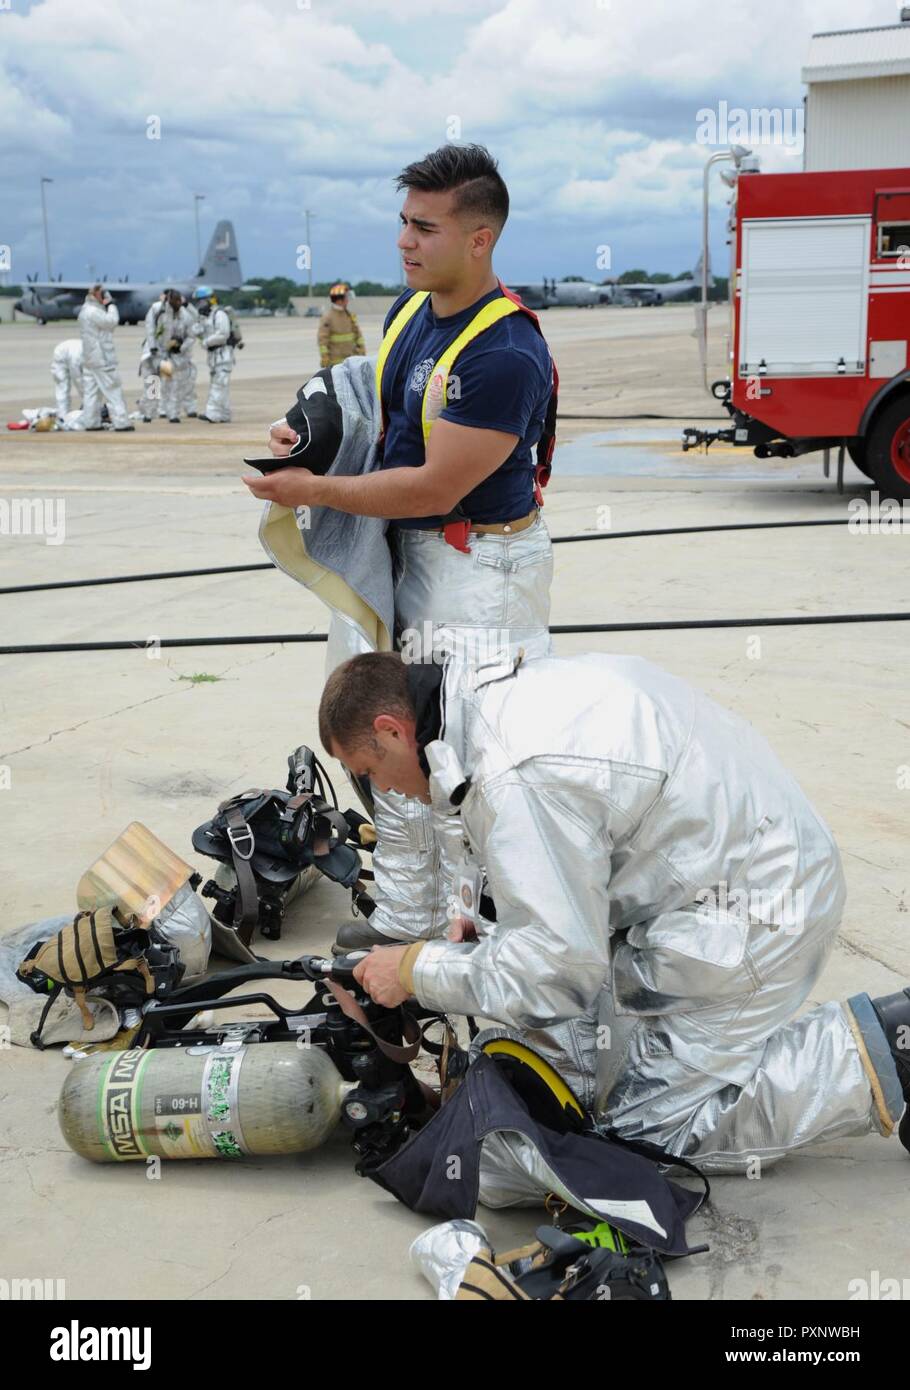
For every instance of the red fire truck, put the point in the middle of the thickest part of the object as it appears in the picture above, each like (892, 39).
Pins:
(821, 320)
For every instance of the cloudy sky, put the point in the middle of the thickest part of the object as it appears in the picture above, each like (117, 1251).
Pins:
(269, 107)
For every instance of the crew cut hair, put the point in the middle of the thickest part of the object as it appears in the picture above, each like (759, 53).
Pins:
(472, 173)
(357, 692)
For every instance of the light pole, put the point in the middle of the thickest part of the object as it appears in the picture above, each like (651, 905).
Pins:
(47, 243)
(309, 248)
(197, 199)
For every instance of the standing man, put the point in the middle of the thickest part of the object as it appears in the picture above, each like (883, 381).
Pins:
(66, 369)
(339, 332)
(467, 388)
(220, 339)
(98, 318)
(169, 339)
(186, 399)
(150, 390)
(178, 337)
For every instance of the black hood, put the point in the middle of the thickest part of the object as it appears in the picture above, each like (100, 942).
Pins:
(317, 419)
(425, 690)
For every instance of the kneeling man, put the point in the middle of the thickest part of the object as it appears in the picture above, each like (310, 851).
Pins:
(665, 898)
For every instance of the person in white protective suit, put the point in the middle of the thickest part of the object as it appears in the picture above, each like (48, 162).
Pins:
(98, 318)
(665, 900)
(186, 384)
(465, 390)
(66, 370)
(216, 331)
(170, 334)
(149, 402)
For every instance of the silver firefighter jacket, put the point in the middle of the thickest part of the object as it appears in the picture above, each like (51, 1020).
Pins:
(96, 326)
(614, 806)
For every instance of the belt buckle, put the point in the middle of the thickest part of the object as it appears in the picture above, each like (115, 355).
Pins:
(245, 834)
(575, 1271)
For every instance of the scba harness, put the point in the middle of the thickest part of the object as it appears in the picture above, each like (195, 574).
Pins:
(456, 526)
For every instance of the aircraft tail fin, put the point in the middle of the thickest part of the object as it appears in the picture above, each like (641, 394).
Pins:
(221, 263)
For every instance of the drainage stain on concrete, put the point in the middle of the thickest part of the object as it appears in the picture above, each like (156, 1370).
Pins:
(624, 453)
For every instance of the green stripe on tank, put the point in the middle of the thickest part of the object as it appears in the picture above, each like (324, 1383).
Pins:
(136, 1108)
(102, 1131)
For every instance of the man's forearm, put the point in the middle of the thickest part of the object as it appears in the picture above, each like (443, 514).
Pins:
(388, 492)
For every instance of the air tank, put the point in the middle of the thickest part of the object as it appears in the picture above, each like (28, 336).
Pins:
(202, 1101)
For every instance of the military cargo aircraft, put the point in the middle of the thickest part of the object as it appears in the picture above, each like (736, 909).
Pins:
(542, 294)
(45, 300)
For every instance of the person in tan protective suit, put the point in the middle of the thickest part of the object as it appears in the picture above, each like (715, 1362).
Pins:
(339, 332)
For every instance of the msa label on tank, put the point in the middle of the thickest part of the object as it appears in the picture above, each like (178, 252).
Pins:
(120, 1104)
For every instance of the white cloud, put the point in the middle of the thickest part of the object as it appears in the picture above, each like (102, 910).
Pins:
(268, 107)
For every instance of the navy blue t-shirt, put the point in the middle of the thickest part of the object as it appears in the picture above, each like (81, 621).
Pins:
(504, 381)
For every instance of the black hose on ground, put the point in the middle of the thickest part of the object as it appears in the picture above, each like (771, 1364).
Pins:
(556, 540)
(558, 630)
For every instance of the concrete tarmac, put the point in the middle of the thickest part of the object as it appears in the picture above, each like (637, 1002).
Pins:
(92, 741)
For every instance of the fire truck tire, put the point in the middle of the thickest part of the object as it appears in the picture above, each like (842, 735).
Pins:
(888, 448)
(857, 451)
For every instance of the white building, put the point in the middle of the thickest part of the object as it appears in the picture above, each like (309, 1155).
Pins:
(858, 99)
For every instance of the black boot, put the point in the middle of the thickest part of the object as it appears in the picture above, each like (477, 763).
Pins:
(360, 936)
(893, 1013)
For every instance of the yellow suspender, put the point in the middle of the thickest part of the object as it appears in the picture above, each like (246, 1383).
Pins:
(435, 393)
(404, 315)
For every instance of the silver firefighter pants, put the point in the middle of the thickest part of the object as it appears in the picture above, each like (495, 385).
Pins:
(149, 402)
(473, 605)
(218, 405)
(103, 384)
(169, 396)
(66, 383)
(699, 1050)
(174, 390)
(708, 1058)
(186, 387)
